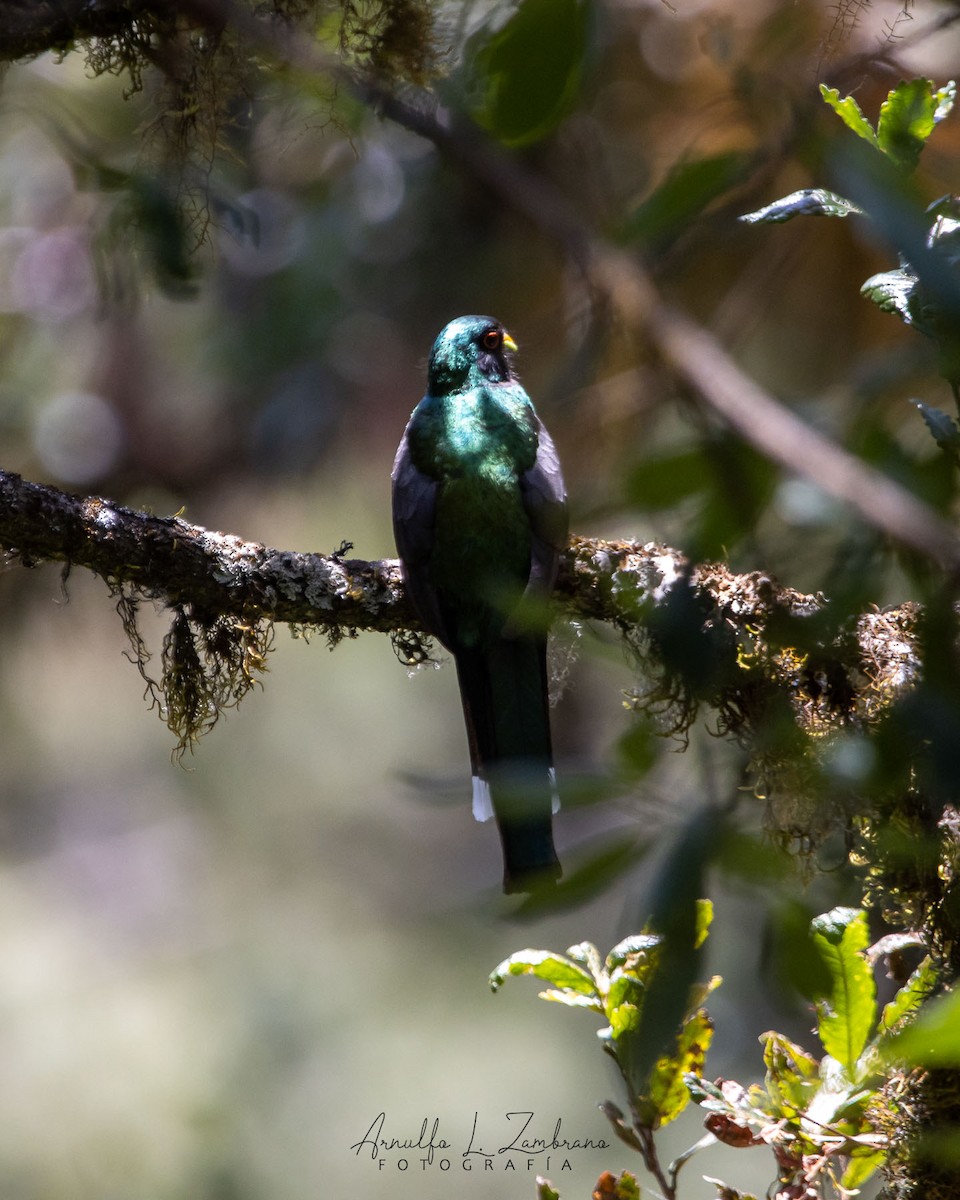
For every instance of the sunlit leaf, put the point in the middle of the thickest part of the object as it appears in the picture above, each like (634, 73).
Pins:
(626, 1187)
(588, 956)
(527, 75)
(860, 1167)
(933, 1039)
(837, 1099)
(848, 110)
(667, 1095)
(554, 969)
(895, 943)
(847, 1014)
(624, 989)
(894, 292)
(624, 1020)
(677, 915)
(810, 202)
(909, 998)
(704, 921)
(907, 118)
(637, 943)
(617, 1187)
(793, 1075)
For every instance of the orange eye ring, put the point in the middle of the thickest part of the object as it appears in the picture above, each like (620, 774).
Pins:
(491, 339)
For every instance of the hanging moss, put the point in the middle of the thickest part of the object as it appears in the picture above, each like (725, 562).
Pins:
(201, 74)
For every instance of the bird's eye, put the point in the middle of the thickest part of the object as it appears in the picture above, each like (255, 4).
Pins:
(491, 339)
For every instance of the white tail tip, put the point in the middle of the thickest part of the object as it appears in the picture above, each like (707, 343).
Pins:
(482, 800)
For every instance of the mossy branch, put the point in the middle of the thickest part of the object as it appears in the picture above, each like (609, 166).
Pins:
(752, 639)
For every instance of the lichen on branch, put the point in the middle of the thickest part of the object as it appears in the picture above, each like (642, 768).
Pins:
(703, 636)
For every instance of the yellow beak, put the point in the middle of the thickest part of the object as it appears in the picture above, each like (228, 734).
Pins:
(508, 342)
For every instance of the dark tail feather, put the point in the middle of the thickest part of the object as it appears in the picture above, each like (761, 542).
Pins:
(506, 707)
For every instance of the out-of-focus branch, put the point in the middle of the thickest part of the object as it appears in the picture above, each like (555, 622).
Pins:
(689, 349)
(620, 278)
(31, 27)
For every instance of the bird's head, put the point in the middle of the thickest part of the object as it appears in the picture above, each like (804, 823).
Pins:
(470, 347)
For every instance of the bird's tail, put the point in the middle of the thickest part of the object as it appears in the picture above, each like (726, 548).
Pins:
(505, 696)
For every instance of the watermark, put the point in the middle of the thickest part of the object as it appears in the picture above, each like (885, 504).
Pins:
(518, 1141)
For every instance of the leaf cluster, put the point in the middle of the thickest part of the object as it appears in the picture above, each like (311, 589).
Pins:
(619, 988)
(823, 1117)
(924, 289)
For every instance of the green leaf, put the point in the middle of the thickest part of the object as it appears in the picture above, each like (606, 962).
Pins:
(623, 1002)
(626, 1133)
(677, 915)
(838, 1100)
(848, 110)
(810, 202)
(667, 1095)
(909, 998)
(526, 77)
(588, 956)
(846, 1015)
(637, 943)
(933, 1039)
(624, 1021)
(707, 1093)
(684, 194)
(552, 968)
(626, 1187)
(907, 118)
(793, 1075)
(895, 292)
(704, 921)
(545, 1190)
(860, 1167)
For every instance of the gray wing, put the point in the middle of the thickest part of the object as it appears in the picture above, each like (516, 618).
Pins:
(545, 501)
(414, 518)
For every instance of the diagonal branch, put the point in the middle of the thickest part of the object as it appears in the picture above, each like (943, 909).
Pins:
(690, 350)
(620, 278)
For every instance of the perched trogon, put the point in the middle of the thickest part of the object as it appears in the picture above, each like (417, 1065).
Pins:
(480, 519)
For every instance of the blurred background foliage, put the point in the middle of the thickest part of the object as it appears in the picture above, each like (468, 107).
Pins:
(216, 976)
